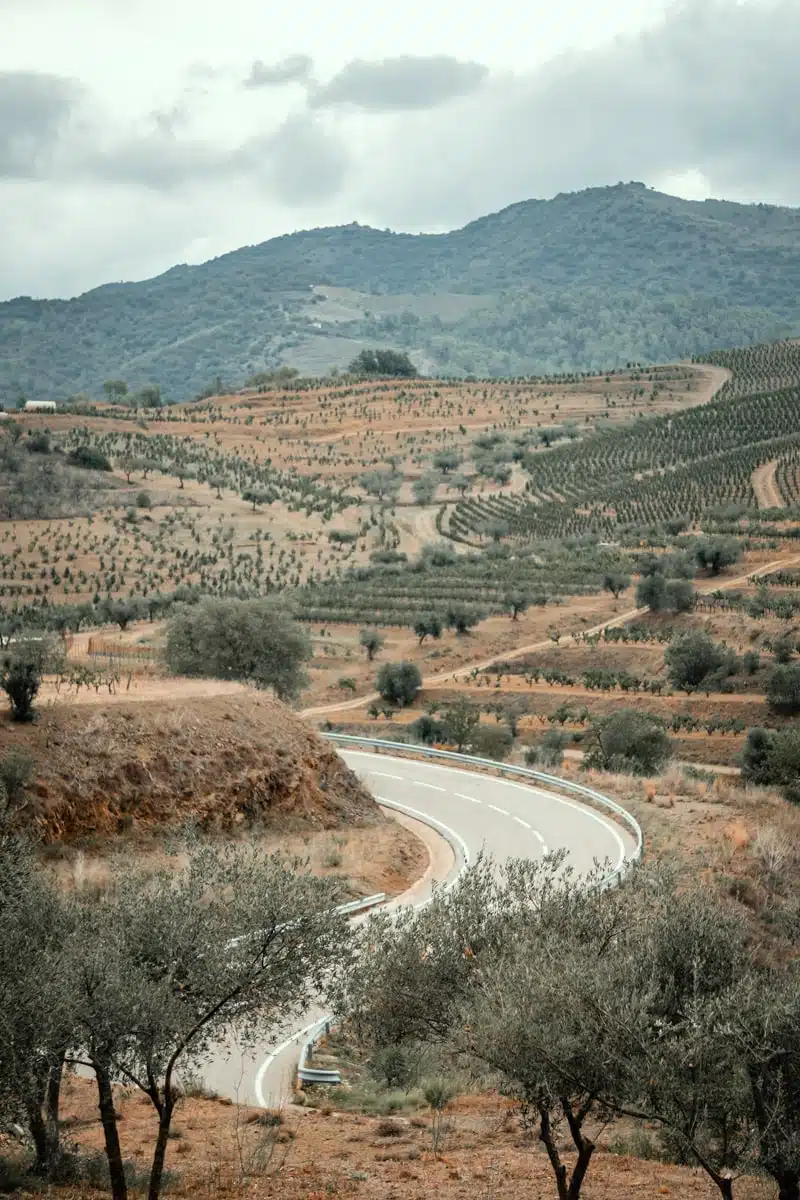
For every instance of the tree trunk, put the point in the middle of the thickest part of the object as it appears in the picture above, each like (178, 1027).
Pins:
(39, 1134)
(52, 1108)
(788, 1185)
(157, 1169)
(546, 1136)
(108, 1116)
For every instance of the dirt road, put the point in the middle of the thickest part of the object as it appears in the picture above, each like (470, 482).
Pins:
(433, 681)
(765, 486)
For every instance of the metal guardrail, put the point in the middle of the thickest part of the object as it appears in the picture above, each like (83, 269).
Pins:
(307, 1074)
(553, 781)
(318, 1075)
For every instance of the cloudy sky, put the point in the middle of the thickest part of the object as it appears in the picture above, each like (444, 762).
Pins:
(135, 134)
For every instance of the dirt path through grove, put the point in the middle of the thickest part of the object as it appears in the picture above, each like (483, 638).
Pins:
(765, 486)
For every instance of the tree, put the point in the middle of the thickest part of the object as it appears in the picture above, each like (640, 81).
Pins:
(383, 362)
(783, 648)
(168, 963)
(256, 496)
(428, 625)
(447, 460)
(426, 487)
(254, 641)
(427, 730)
(398, 683)
(461, 619)
(713, 554)
(651, 592)
(372, 642)
(616, 582)
(383, 484)
(516, 603)
(460, 720)
(628, 741)
(772, 757)
(691, 658)
(36, 997)
(462, 484)
(116, 390)
(783, 690)
(678, 595)
(148, 397)
(23, 663)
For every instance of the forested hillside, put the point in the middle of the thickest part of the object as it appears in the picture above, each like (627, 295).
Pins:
(586, 280)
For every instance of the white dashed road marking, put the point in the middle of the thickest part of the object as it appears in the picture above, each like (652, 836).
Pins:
(503, 812)
(472, 799)
(434, 787)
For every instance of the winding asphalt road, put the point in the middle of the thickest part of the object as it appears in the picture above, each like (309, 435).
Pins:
(472, 812)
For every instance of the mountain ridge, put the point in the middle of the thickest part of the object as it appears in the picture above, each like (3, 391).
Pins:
(587, 279)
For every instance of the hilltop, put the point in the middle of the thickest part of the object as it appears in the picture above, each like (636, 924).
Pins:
(586, 280)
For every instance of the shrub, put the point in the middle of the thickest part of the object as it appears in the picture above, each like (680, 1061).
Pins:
(16, 772)
(773, 757)
(783, 690)
(22, 665)
(651, 592)
(628, 741)
(398, 683)
(89, 458)
(492, 741)
(143, 500)
(783, 648)
(427, 730)
(549, 752)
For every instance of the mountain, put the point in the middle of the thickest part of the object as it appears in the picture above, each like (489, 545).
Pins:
(587, 280)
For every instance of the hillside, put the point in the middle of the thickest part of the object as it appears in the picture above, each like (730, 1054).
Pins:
(225, 763)
(586, 280)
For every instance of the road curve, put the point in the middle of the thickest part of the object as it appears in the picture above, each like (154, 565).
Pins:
(473, 812)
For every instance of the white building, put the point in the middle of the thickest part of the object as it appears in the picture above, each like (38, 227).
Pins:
(40, 406)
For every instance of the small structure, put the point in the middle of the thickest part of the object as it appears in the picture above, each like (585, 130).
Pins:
(40, 406)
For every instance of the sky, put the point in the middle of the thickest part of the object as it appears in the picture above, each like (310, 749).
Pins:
(136, 134)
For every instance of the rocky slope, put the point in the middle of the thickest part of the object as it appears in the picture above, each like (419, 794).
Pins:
(225, 763)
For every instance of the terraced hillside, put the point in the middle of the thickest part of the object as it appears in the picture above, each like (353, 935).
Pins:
(661, 470)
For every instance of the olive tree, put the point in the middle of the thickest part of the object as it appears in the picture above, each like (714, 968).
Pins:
(371, 642)
(254, 641)
(691, 658)
(629, 741)
(36, 997)
(398, 683)
(168, 965)
(23, 663)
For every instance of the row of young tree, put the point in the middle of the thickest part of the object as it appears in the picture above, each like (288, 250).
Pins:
(585, 1005)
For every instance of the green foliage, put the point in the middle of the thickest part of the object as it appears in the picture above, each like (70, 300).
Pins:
(713, 554)
(772, 757)
(398, 683)
(460, 722)
(371, 642)
(22, 666)
(89, 458)
(383, 363)
(428, 625)
(783, 690)
(628, 741)
(254, 641)
(427, 729)
(619, 274)
(691, 658)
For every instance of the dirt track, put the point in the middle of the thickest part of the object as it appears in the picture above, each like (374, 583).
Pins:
(765, 485)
